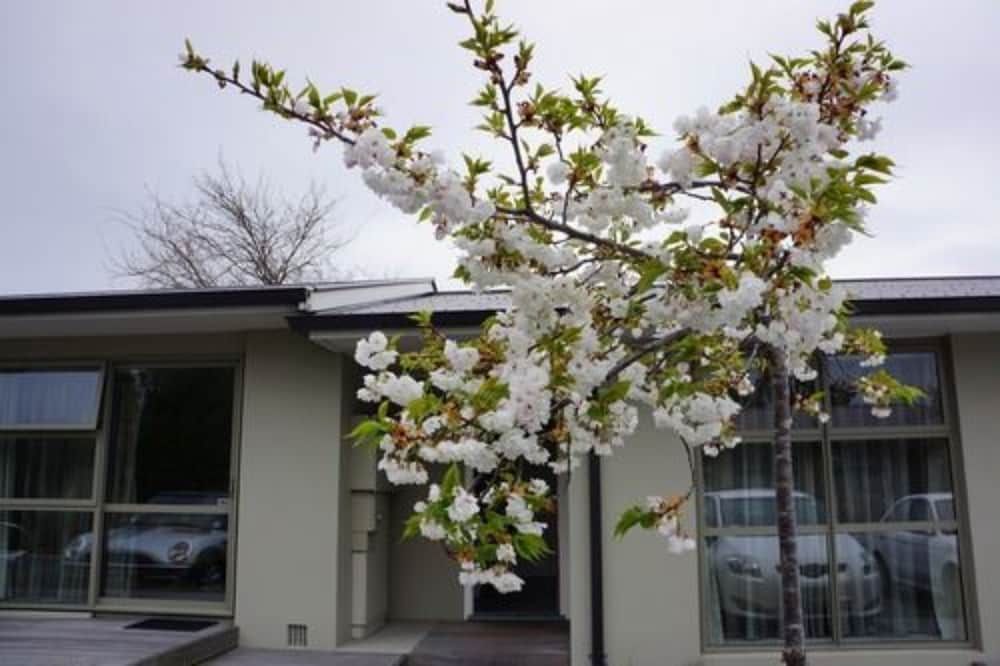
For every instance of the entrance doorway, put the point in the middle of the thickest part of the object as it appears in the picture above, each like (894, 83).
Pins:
(539, 598)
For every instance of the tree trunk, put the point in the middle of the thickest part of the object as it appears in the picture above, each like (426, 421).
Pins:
(793, 631)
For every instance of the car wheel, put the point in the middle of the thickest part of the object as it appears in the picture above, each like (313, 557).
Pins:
(212, 575)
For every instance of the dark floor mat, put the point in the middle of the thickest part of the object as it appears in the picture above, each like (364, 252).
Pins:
(171, 624)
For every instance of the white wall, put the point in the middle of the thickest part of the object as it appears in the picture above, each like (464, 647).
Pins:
(289, 535)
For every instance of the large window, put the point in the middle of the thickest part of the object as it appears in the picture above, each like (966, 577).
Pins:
(169, 448)
(879, 542)
(152, 524)
(48, 438)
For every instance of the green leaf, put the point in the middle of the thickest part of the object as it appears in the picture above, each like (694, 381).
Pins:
(452, 479)
(649, 272)
(369, 431)
(616, 391)
(530, 547)
(860, 7)
(630, 518)
(416, 133)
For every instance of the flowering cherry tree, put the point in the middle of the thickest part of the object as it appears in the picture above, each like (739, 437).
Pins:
(664, 283)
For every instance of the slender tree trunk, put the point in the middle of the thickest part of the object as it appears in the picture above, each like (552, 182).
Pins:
(794, 652)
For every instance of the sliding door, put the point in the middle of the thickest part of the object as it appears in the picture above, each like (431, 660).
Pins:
(166, 524)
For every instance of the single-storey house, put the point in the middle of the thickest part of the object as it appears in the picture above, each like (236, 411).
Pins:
(185, 452)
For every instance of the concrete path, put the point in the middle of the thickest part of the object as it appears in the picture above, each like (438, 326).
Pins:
(493, 644)
(260, 657)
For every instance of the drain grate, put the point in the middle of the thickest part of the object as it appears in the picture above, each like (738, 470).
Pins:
(171, 624)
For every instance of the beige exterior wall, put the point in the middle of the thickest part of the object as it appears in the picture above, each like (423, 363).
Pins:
(650, 596)
(125, 348)
(976, 361)
(423, 581)
(289, 535)
(299, 541)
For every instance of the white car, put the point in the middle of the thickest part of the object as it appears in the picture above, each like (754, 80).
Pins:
(745, 567)
(906, 554)
(923, 559)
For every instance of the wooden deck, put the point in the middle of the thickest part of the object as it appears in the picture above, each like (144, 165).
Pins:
(106, 642)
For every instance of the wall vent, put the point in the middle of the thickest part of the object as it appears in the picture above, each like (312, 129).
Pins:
(298, 635)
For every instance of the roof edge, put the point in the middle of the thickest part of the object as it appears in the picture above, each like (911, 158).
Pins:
(289, 296)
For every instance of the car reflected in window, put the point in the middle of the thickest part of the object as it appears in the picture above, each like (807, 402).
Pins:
(744, 568)
(920, 565)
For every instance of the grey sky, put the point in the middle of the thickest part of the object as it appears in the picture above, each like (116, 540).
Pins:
(95, 111)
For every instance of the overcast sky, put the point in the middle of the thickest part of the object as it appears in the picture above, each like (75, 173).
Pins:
(95, 112)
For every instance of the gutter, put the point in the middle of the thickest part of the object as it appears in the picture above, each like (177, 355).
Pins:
(924, 306)
(306, 323)
(598, 656)
(153, 300)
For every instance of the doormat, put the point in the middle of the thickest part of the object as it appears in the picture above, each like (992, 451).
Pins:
(171, 624)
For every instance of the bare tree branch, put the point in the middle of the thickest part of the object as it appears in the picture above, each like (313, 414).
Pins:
(233, 233)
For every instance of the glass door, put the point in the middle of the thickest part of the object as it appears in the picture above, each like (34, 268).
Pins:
(166, 526)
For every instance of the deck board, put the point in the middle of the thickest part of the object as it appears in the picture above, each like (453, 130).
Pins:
(105, 642)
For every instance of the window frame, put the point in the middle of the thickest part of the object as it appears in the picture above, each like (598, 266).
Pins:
(825, 435)
(99, 508)
(54, 366)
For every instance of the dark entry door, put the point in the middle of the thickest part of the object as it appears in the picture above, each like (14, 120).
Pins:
(540, 595)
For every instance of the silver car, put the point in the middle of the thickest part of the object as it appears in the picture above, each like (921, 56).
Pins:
(745, 567)
(161, 548)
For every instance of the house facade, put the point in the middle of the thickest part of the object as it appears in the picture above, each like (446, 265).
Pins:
(185, 452)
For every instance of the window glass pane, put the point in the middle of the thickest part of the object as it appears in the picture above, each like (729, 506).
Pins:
(46, 467)
(44, 556)
(744, 588)
(917, 576)
(758, 407)
(918, 369)
(50, 397)
(165, 556)
(873, 478)
(900, 512)
(945, 509)
(172, 435)
(739, 485)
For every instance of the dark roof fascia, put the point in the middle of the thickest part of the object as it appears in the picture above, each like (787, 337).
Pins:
(464, 318)
(153, 300)
(384, 320)
(926, 306)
